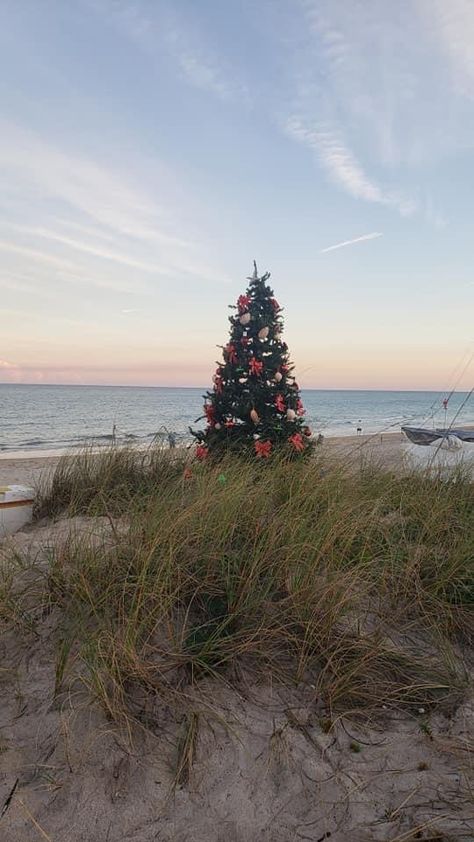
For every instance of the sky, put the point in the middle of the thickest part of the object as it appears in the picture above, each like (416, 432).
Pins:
(150, 150)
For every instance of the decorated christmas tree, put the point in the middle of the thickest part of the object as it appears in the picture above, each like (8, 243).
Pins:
(255, 404)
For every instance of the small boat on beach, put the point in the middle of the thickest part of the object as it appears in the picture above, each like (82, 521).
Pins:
(443, 448)
(440, 437)
(16, 508)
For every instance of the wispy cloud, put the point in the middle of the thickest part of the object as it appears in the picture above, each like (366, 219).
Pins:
(373, 236)
(453, 25)
(187, 46)
(112, 217)
(342, 166)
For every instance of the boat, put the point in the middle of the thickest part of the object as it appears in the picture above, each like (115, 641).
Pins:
(441, 437)
(16, 508)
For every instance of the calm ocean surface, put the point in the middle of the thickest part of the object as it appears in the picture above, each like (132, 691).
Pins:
(49, 417)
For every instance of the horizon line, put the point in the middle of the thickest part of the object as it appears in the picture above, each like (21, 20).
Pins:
(207, 388)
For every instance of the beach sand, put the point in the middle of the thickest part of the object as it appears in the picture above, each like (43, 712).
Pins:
(272, 773)
(27, 468)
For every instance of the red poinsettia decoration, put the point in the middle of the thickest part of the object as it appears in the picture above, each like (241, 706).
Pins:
(284, 369)
(229, 423)
(299, 407)
(275, 304)
(243, 303)
(297, 441)
(256, 366)
(218, 384)
(244, 341)
(280, 403)
(231, 355)
(263, 449)
(201, 452)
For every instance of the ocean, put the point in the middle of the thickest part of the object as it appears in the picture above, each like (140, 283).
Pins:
(41, 417)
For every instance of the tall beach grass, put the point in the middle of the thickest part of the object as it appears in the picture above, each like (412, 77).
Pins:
(350, 580)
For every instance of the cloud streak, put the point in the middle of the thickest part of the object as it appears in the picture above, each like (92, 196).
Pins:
(114, 218)
(373, 236)
(342, 166)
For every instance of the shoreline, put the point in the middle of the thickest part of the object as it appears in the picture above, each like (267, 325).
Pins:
(28, 467)
(57, 452)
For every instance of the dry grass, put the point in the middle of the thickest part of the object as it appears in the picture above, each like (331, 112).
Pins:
(357, 583)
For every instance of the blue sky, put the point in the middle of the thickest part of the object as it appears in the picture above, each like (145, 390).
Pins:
(150, 151)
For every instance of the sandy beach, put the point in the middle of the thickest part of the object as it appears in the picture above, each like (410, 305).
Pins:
(362, 750)
(27, 467)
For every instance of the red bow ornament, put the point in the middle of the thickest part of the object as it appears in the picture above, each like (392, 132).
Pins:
(263, 449)
(297, 441)
(231, 355)
(243, 303)
(280, 403)
(210, 412)
(256, 366)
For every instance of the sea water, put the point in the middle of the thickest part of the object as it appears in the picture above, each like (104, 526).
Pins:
(44, 417)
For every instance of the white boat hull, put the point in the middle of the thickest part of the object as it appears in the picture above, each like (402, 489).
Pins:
(16, 508)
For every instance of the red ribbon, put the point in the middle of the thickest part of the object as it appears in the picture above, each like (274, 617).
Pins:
(256, 366)
(297, 441)
(263, 448)
(243, 303)
(210, 412)
(280, 403)
(231, 355)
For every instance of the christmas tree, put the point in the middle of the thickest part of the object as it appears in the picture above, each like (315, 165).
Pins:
(255, 405)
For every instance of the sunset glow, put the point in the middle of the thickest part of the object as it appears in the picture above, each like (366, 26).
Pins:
(146, 162)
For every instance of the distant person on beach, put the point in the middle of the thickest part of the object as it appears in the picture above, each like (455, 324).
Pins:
(359, 428)
(320, 439)
(172, 440)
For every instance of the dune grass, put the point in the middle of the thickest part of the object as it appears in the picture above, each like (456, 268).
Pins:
(348, 579)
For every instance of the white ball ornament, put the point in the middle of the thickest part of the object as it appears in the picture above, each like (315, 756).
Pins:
(278, 376)
(263, 333)
(217, 426)
(254, 416)
(290, 414)
(245, 318)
